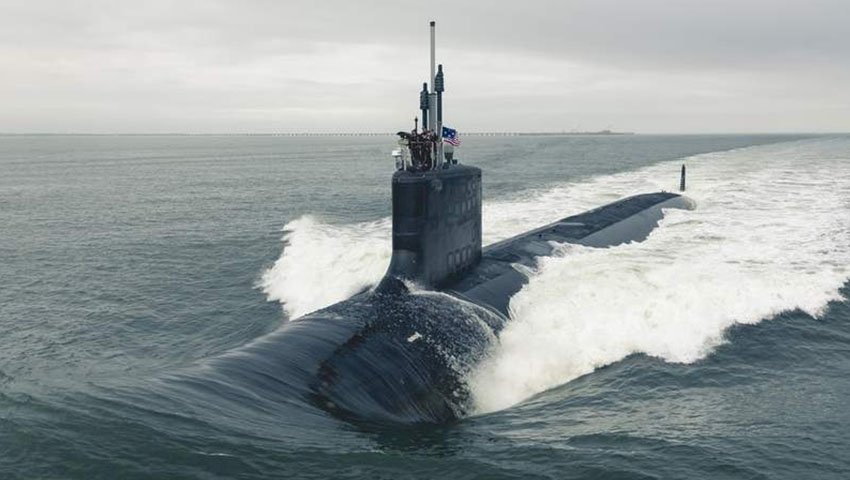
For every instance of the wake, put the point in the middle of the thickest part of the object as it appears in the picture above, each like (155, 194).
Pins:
(770, 234)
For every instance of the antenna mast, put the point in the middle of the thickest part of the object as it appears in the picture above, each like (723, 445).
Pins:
(435, 120)
(433, 52)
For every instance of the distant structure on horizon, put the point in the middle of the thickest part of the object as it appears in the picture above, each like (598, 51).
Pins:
(554, 134)
(309, 134)
(476, 134)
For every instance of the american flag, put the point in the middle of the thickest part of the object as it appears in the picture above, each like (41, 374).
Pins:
(450, 136)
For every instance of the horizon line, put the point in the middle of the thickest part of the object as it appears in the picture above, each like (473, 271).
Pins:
(376, 134)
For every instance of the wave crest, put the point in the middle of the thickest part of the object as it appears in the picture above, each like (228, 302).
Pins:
(322, 264)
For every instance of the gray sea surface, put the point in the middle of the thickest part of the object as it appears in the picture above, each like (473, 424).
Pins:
(128, 262)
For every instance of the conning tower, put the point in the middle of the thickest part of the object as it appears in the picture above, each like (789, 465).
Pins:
(436, 201)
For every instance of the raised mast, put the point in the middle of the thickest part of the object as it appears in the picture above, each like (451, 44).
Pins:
(438, 89)
(426, 147)
(435, 123)
(432, 96)
(423, 105)
(433, 53)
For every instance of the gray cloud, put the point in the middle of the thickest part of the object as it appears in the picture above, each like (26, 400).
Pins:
(227, 66)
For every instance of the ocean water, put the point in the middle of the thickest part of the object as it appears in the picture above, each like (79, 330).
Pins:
(717, 348)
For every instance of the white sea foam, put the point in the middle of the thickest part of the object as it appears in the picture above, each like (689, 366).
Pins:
(323, 264)
(771, 233)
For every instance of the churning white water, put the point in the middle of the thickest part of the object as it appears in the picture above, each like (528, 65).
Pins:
(323, 264)
(771, 232)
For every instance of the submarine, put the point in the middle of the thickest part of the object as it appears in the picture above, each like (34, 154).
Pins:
(400, 351)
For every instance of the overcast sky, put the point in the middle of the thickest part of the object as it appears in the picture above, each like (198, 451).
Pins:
(216, 66)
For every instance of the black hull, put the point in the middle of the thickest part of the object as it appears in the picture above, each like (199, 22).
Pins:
(400, 353)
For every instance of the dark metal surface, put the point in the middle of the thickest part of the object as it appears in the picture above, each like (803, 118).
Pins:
(400, 352)
(436, 224)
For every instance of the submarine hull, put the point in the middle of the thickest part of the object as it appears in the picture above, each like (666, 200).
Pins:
(388, 356)
(400, 353)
